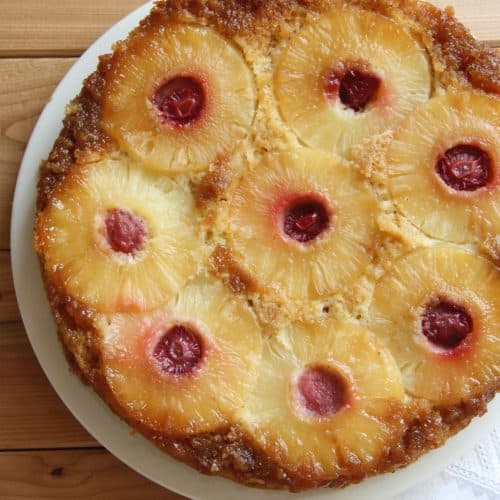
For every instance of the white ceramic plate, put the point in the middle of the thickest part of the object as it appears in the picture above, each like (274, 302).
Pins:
(92, 413)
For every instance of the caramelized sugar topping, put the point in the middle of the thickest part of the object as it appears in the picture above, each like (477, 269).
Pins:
(321, 391)
(180, 101)
(465, 167)
(179, 350)
(446, 324)
(305, 219)
(356, 87)
(125, 231)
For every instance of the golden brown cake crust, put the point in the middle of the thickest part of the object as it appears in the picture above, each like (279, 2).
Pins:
(462, 56)
(459, 61)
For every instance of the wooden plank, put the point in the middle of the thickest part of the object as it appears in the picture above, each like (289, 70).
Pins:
(52, 27)
(31, 414)
(26, 85)
(67, 28)
(8, 304)
(25, 88)
(482, 18)
(89, 474)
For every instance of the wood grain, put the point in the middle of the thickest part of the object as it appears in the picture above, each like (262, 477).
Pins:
(56, 28)
(8, 304)
(88, 474)
(31, 414)
(68, 28)
(32, 417)
(25, 87)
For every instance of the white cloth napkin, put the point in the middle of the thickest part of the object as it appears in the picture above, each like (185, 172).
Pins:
(476, 476)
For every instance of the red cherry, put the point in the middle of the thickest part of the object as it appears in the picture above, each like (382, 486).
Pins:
(446, 324)
(321, 391)
(465, 167)
(179, 351)
(305, 219)
(180, 101)
(355, 88)
(125, 231)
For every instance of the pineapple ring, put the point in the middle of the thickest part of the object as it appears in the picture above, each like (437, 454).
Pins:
(316, 446)
(419, 193)
(489, 231)
(458, 277)
(188, 401)
(75, 251)
(393, 67)
(211, 118)
(312, 269)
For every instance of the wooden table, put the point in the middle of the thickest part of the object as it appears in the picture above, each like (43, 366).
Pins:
(44, 452)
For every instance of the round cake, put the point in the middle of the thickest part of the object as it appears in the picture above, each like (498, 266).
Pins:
(269, 234)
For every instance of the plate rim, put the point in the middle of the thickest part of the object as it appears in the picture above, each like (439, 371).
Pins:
(100, 420)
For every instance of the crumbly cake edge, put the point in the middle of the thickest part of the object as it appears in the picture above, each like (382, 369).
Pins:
(228, 452)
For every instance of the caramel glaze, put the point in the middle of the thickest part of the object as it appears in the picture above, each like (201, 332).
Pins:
(80, 137)
(461, 53)
(228, 452)
(213, 184)
(450, 42)
(448, 39)
(238, 458)
(463, 58)
(223, 264)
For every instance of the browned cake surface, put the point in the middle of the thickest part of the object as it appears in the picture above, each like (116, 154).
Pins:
(457, 62)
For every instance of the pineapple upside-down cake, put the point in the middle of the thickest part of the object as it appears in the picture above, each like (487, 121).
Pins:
(269, 234)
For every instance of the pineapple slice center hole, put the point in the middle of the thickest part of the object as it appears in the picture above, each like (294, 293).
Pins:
(306, 218)
(180, 101)
(179, 351)
(465, 167)
(355, 86)
(446, 324)
(321, 391)
(125, 231)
